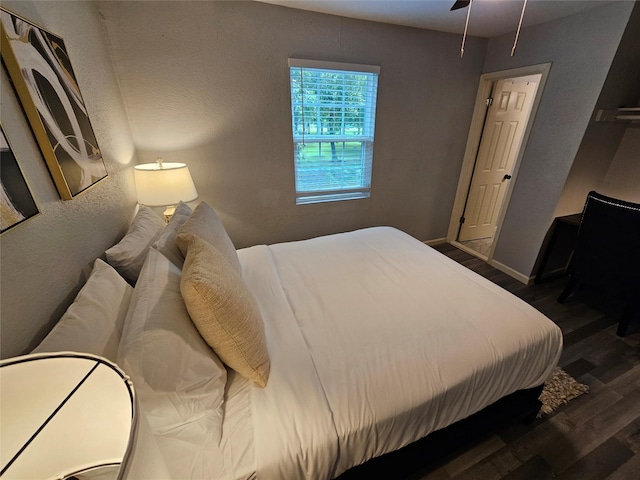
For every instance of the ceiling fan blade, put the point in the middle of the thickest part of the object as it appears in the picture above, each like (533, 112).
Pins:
(460, 4)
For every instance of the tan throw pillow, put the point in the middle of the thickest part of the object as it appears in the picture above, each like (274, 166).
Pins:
(204, 223)
(224, 310)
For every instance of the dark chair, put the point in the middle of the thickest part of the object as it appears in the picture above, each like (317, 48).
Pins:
(607, 253)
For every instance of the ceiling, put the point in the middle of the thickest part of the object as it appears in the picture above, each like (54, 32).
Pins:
(488, 18)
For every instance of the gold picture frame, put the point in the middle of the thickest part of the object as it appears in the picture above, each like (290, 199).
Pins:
(41, 72)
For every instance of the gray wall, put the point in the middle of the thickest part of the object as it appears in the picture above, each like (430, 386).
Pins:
(207, 84)
(602, 139)
(623, 177)
(42, 260)
(581, 48)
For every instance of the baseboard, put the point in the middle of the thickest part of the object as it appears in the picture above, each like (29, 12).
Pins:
(435, 241)
(470, 251)
(495, 264)
(511, 272)
(557, 271)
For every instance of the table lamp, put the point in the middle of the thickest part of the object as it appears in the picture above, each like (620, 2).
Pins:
(65, 414)
(163, 184)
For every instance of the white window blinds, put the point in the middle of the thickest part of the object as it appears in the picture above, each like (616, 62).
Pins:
(333, 107)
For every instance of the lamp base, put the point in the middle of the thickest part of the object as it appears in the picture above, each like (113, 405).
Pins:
(168, 213)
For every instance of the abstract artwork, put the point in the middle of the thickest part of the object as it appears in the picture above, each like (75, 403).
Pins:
(41, 72)
(17, 203)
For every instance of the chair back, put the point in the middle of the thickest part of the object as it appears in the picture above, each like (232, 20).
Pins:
(607, 251)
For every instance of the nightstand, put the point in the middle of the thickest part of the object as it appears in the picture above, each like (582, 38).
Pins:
(64, 414)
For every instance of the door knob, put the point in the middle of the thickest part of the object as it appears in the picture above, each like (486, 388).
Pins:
(507, 177)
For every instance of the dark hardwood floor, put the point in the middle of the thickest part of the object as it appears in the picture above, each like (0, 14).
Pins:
(596, 436)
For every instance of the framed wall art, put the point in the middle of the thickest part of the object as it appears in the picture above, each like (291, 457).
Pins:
(17, 204)
(41, 72)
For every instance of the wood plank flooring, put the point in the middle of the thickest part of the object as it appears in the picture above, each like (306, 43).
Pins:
(596, 436)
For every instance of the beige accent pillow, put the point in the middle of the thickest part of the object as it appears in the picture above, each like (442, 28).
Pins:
(224, 310)
(204, 223)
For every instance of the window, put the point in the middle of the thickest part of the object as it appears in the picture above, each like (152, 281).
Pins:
(333, 109)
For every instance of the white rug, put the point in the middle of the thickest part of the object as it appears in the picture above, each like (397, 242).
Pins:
(559, 389)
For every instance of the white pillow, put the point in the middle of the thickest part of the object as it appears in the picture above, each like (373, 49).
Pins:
(179, 380)
(166, 244)
(93, 322)
(128, 255)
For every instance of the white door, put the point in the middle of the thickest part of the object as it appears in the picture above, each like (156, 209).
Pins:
(504, 128)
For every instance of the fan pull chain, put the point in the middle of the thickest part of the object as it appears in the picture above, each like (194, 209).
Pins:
(515, 42)
(466, 25)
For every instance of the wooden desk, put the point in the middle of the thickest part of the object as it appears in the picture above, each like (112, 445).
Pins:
(560, 247)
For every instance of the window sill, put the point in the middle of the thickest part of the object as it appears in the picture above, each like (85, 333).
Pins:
(303, 199)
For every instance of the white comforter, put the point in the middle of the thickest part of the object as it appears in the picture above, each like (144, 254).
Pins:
(375, 341)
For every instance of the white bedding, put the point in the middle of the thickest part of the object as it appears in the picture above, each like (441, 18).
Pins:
(375, 341)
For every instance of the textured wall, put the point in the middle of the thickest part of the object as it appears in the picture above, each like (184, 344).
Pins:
(623, 177)
(581, 48)
(207, 83)
(42, 260)
(602, 139)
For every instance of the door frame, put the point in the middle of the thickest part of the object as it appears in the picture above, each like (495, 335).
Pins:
(487, 81)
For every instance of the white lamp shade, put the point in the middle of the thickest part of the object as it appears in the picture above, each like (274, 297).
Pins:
(63, 413)
(164, 184)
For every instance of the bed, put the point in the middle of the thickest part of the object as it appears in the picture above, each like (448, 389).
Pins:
(373, 341)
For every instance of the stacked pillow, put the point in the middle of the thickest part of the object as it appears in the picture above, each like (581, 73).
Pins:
(189, 312)
(128, 255)
(218, 302)
(205, 224)
(148, 230)
(94, 321)
(180, 381)
(217, 299)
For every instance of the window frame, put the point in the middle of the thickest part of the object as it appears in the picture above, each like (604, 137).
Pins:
(366, 140)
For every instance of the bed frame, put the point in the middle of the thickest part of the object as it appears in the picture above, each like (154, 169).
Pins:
(522, 405)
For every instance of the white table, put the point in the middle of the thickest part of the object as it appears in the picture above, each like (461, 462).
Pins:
(64, 414)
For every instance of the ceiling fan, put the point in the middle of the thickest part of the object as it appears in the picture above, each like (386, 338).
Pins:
(458, 4)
